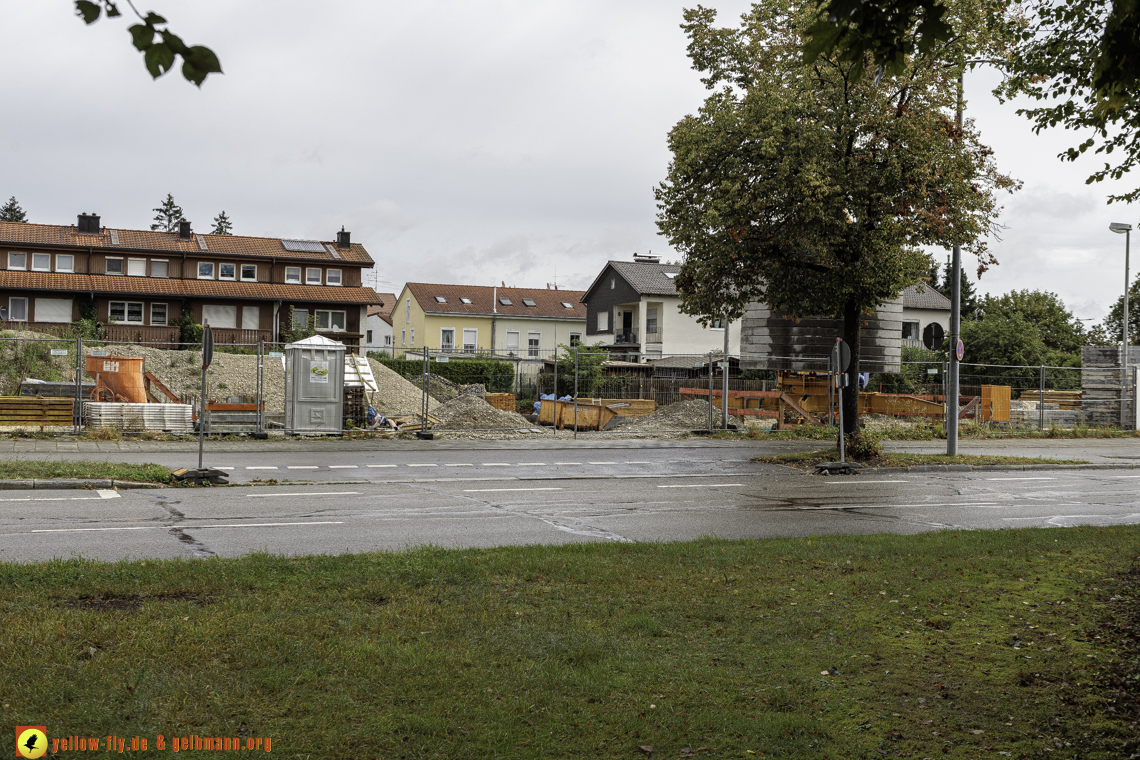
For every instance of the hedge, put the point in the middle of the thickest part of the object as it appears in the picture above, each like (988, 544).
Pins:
(497, 376)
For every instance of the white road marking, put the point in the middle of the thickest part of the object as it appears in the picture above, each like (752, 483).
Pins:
(981, 504)
(225, 468)
(459, 465)
(489, 490)
(494, 464)
(381, 465)
(314, 493)
(639, 462)
(303, 467)
(344, 466)
(704, 485)
(601, 463)
(1124, 476)
(532, 464)
(1020, 479)
(848, 482)
(103, 494)
(194, 527)
(567, 463)
(272, 467)
(423, 464)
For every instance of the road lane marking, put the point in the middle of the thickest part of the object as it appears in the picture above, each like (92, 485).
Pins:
(567, 463)
(224, 468)
(987, 505)
(601, 462)
(423, 464)
(494, 464)
(704, 485)
(459, 465)
(184, 526)
(532, 464)
(847, 482)
(103, 494)
(303, 467)
(271, 467)
(344, 466)
(1124, 476)
(489, 490)
(381, 465)
(313, 493)
(1020, 479)
(639, 462)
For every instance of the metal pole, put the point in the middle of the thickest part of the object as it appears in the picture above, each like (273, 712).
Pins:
(423, 398)
(260, 386)
(842, 443)
(955, 320)
(724, 382)
(1041, 401)
(575, 395)
(1124, 360)
(554, 392)
(202, 416)
(830, 393)
(710, 365)
(78, 416)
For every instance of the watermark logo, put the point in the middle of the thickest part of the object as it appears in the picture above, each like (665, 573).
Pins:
(31, 741)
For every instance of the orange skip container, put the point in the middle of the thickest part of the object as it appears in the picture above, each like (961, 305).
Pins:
(122, 375)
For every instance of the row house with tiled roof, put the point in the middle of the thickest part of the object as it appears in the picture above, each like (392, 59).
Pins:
(525, 323)
(139, 283)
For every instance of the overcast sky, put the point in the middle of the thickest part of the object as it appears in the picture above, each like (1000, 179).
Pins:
(460, 142)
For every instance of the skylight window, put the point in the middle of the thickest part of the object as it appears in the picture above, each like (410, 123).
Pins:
(567, 305)
(440, 299)
(671, 275)
(529, 302)
(505, 301)
(465, 300)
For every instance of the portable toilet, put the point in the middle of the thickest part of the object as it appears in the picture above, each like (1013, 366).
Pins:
(314, 386)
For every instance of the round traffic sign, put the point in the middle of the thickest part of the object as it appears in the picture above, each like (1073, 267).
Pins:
(932, 336)
(960, 350)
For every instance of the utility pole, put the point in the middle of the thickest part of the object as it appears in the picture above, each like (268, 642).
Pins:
(955, 324)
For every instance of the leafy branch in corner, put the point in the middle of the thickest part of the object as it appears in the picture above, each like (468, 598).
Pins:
(159, 54)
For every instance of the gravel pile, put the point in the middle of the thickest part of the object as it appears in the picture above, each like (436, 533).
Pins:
(397, 396)
(468, 411)
(683, 415)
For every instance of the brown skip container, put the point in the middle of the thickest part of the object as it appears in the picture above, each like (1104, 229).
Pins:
(122, 375)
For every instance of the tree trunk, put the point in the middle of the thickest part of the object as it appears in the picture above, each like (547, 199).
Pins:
(852, 326)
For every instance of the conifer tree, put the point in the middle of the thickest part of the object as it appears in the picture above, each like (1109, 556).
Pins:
(167, 216)
(11, 212)
(222, 225)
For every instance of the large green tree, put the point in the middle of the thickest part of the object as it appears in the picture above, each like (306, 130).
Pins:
(1113, 324)
(222, 225)
(167, 215)
(967, 294)
(11, 211)
(811, 189)
(1058, 328)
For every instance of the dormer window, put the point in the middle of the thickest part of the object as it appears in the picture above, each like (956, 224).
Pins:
(529, 302)
(505, 301)
(465, 300)
(440, 299)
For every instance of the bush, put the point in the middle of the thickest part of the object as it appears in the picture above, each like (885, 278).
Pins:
(864, 446)
(497, 376)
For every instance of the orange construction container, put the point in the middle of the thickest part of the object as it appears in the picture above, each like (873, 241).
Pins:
(117, 378)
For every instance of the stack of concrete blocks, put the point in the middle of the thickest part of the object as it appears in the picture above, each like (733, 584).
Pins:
(1101, 385)
(1026, 413)
(769, 340)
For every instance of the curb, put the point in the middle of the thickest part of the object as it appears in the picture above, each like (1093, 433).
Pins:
(59, 484)
(929, 468)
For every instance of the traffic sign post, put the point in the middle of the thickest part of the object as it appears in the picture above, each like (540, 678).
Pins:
(207, 357)
(842, 361)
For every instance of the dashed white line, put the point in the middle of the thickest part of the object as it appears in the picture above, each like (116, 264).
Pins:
(313, 493)
(601, 463)
(303, 467)
(103, 494)
(495, 464)
(459, 465)
(1124, 476)
(639, 462)
(271, 467)
(532, 464)
(195, 527)
(850, 482)
(381, 465)
(490, 490)
(344, 467)
(225, 468)
(423, 464)
(1020, 478)
(567, 463)
(704, 485)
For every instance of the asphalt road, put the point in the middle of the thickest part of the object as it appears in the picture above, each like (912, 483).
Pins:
(555, 504)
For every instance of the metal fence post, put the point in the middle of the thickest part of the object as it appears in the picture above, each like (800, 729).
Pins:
(78, 416)
(575, 395)
(710, 368)
(1041, 401)
(424, 397)
(554, 392)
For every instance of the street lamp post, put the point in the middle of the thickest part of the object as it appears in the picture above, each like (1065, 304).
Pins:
(955, 325)
(1126, 230)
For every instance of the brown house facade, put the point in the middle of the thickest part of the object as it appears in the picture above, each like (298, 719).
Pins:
(138, 284)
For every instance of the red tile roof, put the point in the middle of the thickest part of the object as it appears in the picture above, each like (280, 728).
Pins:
(161, 286)
(237, 246)
(548, 303)
(389, 300)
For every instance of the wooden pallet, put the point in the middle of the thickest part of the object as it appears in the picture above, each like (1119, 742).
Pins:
(504, 401)
(36, 410)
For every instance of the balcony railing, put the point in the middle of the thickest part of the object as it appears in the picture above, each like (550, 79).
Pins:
(121, 333)
(625, 339)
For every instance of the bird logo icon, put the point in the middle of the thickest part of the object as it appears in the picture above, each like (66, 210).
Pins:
(31, 741)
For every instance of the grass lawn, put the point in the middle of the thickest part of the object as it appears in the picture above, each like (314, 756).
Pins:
(808, 459)
(34, 468)
(944, 644)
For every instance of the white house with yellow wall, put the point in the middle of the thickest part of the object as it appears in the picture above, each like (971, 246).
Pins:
(526, 323)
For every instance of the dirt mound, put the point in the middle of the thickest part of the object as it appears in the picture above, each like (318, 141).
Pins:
(683, 415)
(468, 411)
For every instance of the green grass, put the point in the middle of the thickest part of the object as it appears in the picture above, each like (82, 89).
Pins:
(32, 468)
(890, 459)
(945, 644)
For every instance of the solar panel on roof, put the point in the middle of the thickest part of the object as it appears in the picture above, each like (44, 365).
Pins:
(303, 246)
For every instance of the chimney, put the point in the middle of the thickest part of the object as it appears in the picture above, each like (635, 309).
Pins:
(343, 239)
(183, 229)
(646, 258)
(88, 224)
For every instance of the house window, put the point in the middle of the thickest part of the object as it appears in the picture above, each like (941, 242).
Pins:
(158, 314)
(330, 320)
(465, 300)
(41, 262)
(413, 336)
(205, 270)
(159, 268)
(251, 317)
(313, 276)
(447, 339)
(136, 267)
(533, 344)
(368, 337)
(440, 299)
(408, 311)
(64, 262)
(220, 315)
(403, 337)
(718, 324)
(567, 305)
(300, 317)
(227, 272)
(18, 309)
(113, 266)
(333, 277)
(603, 321)
(505, 301)
(53, 309)
(575, 339)
(470, 340)
(126, 311)
(512, 342)
(651, 321)
(292, 274)
(249, 272)
(910, 331)
(17, 261)
(387, 340)
(529, 302)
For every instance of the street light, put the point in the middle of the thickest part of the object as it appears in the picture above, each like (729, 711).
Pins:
(1126, 229)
